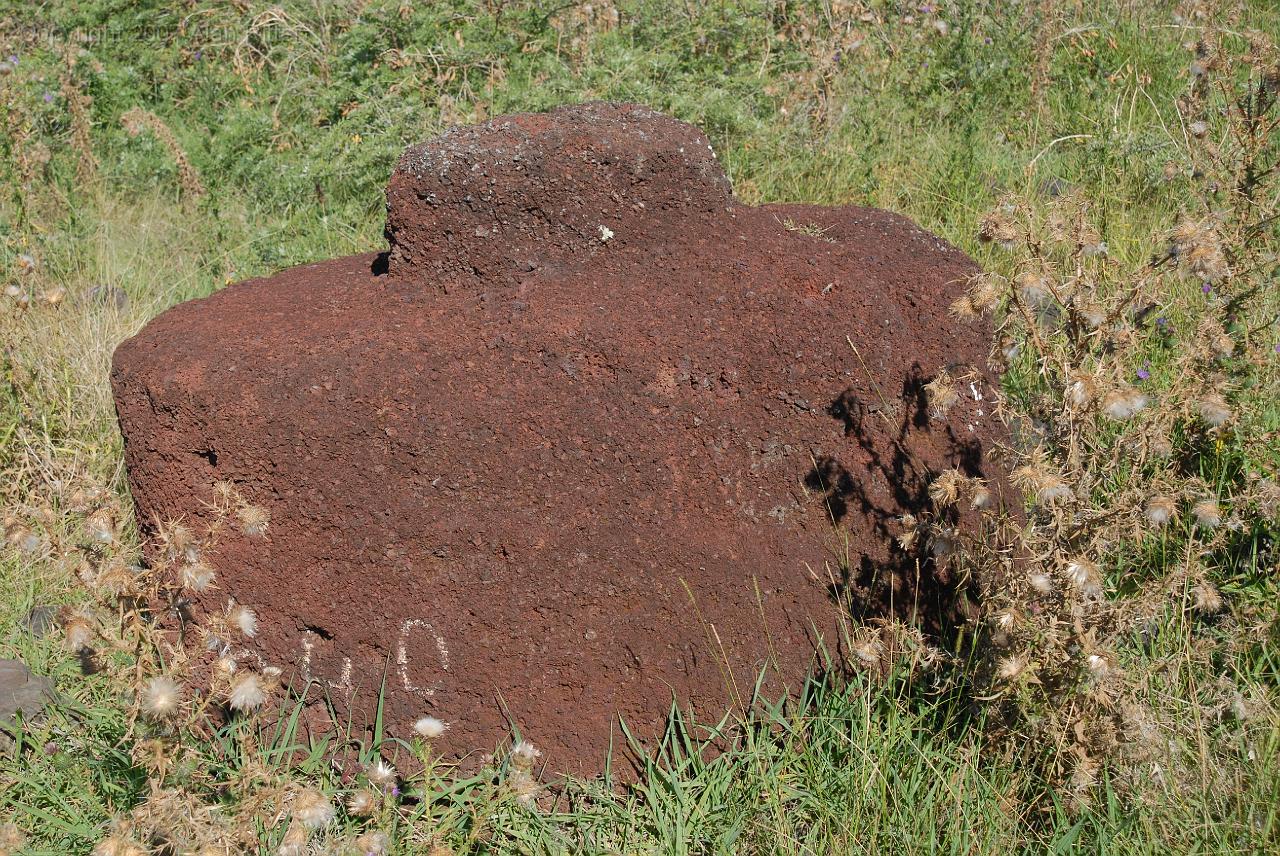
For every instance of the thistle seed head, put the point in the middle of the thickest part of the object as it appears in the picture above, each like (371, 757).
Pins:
(362, 803)
(1009, 668)
(1208, 513)
(941, 396)
(253, 520)
(429, 727)
(1206, 599)
(245, 620)
(1124, 403)
(524, 755)
(374, 843)
(79, 634)
(161, 698)
(998, 228)
(1214, 410)
(945, 489)
(313, 809)
(381, 774)
(197, 576)
(247, 693)
(1159, 511)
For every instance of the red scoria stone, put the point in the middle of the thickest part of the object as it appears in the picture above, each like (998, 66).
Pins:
(592, 435)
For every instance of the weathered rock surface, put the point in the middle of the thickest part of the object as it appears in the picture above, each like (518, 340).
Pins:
(574, 445)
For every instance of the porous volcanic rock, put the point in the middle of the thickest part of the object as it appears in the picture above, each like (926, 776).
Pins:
(575, 445)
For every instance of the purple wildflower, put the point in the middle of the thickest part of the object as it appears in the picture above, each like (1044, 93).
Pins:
(1144, 373)
(48, 98)
(13, 59)
(1207, 288)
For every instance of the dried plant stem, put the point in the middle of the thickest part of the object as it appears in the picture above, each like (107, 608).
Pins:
(136, 120)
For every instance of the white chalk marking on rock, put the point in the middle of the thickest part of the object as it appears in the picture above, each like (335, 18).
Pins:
(344, 679)
(246, 654)
(305, 666)
(402, 654)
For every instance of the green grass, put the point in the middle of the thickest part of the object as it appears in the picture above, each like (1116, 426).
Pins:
(293, 115)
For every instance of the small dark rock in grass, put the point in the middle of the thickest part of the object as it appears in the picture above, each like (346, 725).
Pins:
(39, 620)
(109, 295)
(21, 692)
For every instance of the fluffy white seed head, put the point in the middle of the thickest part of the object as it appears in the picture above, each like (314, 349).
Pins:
(983, 499)
(161, 698)
(1085, 576)
(1214, 410)
(429, 727)
(1053, 489)
(245, 619)
(100, 527)
(1040, 583)
(1033, 288)
(382, 774)
(24, 539)
(1080, 571)
(1080, 391)
(1097, 665)
(524, 755)
(523, 785)
(197, 576)
(1159, 511)
(1208, 514)
(942, 543)
(253, 520)
(313, 809)
(362, 803)
(247, 693)
(295, 840)
(1009, 668)
(1092, 315)
(868, 652)
(374, 843)
(1122, 404)
(80, 634)
(1206, 599)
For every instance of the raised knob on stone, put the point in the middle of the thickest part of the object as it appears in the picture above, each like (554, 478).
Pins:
(495, 201)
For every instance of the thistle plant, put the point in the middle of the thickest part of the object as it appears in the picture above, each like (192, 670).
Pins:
(1139, 435)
